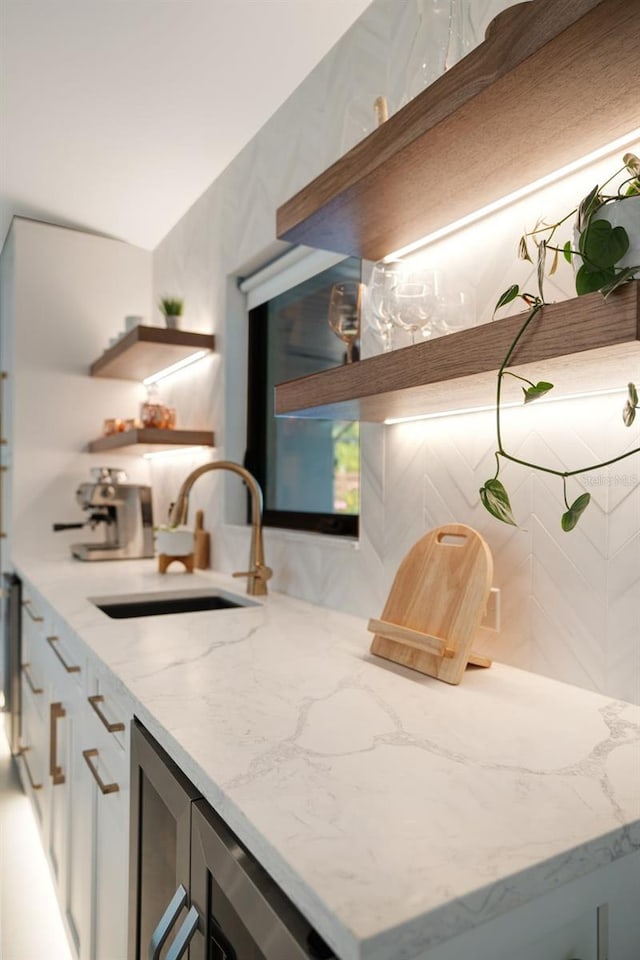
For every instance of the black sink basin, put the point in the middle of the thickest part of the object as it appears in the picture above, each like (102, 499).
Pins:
(156, 604)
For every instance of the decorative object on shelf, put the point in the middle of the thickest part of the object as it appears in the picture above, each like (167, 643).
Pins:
(363, 114)
(604, 252)
(112, 425)
(155, 414)
(436, 604)
(172, 309)
(345, 310)
(202, 543)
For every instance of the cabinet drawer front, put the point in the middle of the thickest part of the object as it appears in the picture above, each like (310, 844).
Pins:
(33, 635)
(111, 713)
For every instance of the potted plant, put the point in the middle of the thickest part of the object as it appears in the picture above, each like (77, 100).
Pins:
(605, 253)
(172, 308)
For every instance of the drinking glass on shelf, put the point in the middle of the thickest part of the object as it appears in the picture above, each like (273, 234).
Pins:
(345, 307)
(384, 278)
(460, 307)
(417, 303)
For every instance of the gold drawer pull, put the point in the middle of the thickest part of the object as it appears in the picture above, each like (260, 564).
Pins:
(23, 754)
(57, 712)
(104, 787)
(34, 616)
(68, 667)
(111, 727)
(25, 669)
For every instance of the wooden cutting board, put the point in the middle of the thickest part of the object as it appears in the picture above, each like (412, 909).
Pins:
(436, 604)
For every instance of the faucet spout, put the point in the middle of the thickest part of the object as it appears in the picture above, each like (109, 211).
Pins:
(258, 572)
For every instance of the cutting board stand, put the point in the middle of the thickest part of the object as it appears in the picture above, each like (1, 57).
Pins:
(436, 604)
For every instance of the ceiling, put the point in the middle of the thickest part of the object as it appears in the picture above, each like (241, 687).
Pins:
(115, 115)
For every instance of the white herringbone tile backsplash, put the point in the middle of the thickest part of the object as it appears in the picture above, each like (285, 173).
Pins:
(570, 602)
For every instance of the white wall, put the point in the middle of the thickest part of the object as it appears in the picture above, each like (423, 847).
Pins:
(571, 602)
(72, 291)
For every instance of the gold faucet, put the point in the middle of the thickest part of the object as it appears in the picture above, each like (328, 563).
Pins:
(258, 572)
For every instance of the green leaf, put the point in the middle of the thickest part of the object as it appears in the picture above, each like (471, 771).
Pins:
(590, 203)
(587, 281)
(621, 276)
(633, 394)
(575, 511)
(539, 390)
(603, 245)
(495, 499)
(507, 296)
(567, 252)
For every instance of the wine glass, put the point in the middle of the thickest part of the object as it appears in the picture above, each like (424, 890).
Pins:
(384, 278)
(416, 302)
(345, 304)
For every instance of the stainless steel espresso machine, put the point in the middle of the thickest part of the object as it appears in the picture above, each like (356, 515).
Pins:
(122, 509)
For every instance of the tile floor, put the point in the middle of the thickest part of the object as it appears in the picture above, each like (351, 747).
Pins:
(30, 923)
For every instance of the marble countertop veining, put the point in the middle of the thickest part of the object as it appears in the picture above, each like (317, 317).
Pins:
(396, 811)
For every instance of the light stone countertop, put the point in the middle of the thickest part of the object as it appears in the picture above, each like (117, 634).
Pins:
(395, 811)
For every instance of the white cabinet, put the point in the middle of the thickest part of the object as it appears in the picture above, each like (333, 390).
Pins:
(106, 771)
(75, 768)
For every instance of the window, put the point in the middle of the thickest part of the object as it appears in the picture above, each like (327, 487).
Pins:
(309, 470)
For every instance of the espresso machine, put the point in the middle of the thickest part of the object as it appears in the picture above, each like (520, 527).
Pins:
(121, 509)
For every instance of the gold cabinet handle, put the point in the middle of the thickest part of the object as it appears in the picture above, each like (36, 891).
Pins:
(34, 615)
(104, 787)
(111, 727)
(57, 712)
(23, 753)
(68, 667)
(26, 667)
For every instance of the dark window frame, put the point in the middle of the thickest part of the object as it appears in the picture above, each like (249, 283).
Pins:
(333, 524)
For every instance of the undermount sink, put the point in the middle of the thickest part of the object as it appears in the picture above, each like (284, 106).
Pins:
(127, 605)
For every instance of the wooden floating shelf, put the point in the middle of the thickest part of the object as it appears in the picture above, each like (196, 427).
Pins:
(151, 440)
(458, 371)
(146, 350)
(501, 118)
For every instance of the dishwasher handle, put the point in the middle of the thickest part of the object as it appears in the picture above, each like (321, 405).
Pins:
(184, 935)
(167, 920)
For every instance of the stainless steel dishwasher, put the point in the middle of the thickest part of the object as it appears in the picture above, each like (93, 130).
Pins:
(195, 890)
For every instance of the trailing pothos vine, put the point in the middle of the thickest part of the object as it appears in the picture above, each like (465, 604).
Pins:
(600, 248)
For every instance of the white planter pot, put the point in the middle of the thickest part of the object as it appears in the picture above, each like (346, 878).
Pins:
(172, 323)
(175, 543)
(621, 213)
